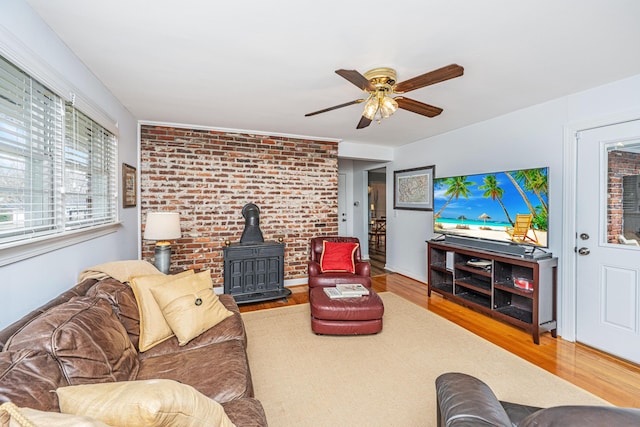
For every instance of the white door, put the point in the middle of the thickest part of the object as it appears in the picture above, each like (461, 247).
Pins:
(342, 204)
(608, 229)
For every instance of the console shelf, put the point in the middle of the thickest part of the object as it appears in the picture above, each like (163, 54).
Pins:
(486, 281)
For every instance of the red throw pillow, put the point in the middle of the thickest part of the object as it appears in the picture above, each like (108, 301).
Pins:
(338, 256)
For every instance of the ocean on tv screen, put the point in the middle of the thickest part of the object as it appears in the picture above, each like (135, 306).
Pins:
(508, 206)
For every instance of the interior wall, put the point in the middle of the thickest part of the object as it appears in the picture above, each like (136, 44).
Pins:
(523, 139)
(531, 137)
(208, 176)
(345, 166)
(30, 283)
(360, 170)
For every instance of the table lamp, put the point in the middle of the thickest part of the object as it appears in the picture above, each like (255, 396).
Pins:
(162, 227)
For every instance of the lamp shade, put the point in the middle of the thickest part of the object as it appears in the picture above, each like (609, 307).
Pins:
(162, 226)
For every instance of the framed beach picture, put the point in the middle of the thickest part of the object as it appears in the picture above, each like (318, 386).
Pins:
(413, 188)
(129, 181)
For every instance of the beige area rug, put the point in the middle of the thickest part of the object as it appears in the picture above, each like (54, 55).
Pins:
(303, 379)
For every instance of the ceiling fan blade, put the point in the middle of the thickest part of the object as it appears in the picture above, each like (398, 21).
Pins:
(417, 107)
(432, 77)
(335, 107)
(357, 79)
(363, 123)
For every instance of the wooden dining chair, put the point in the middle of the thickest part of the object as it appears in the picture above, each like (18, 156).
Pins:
(377, 231)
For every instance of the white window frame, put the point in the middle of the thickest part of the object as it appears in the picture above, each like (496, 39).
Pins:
(17, 250)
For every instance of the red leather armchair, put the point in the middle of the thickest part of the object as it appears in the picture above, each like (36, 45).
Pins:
(317, 278)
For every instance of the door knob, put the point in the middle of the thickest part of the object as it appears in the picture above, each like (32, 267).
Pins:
(584, 236)
(584, 251)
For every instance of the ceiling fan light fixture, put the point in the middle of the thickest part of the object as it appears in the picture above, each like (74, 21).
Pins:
(384, 114)
(371, 107)
(388, 106)
(379, 83)
(379, 106)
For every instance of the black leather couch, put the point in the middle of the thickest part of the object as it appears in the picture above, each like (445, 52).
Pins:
(465, 401)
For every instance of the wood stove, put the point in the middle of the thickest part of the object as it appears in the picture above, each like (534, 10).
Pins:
(254, 272)
(254, 269)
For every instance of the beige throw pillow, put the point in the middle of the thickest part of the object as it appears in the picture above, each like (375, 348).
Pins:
(190, 306)
(145, 403)
(154, 329)
(27, 417)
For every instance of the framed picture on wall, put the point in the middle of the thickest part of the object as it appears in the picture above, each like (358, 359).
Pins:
(413, 188)
(129, 187)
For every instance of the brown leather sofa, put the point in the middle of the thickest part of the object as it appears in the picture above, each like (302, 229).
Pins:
(465, 401)
(317, 278)
(89, 334)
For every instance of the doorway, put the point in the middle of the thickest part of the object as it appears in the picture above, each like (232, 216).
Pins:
(607, 239)
(377, 219)
(342, 204)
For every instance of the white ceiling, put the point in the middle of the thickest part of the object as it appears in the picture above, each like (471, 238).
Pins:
(261, 65)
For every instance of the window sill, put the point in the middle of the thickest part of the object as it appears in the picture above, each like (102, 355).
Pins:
(19, 251)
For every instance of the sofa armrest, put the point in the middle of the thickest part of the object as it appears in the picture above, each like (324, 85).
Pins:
(579, 416)
(363, 268)
(464, 400)
(518, 412)
(313, 268)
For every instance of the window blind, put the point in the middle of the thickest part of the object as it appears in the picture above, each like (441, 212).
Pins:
(30, 128)
(89, 168)
(57, 166)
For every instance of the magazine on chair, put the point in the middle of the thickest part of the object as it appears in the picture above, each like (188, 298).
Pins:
(346, 291)
(353, 289)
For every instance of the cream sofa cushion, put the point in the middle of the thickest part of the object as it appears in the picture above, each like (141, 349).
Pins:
(154, 329)
(12, 416)
(147, 403)
(190, 306)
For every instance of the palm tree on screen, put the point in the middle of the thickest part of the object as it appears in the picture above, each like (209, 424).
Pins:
(456, 187)
(535, 181)
(514, 180)
(495, 192)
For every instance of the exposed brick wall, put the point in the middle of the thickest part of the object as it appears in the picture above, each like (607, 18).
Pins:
(208, 176)
(621, 164)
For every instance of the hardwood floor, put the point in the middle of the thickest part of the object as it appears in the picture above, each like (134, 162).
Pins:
(377, 258)
(612, 379)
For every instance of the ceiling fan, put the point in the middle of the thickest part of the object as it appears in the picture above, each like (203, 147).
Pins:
(379, 83)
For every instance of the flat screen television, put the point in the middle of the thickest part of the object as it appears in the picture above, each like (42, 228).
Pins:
(509, 206)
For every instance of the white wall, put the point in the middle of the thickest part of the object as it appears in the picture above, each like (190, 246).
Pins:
(27, 284)
(522, 139)
(357, 200)
(532, 137)
(527, 138)
(345, 166)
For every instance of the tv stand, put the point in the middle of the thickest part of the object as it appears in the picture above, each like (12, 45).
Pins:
(495, 284)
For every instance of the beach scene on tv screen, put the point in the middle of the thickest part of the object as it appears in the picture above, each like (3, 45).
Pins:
(509, 206)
